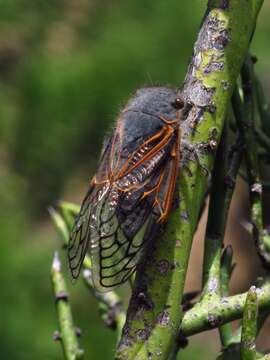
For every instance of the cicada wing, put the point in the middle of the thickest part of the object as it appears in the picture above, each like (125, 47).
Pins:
(116, 218)
(101, 230)
(85, 227)
(115, 255)
(79, 238)
(127, 230)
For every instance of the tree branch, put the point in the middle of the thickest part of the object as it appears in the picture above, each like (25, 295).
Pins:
(214, 315)
(225, 331)
(154, 314)
(249, 325)
(110, 305)
(67, 335)
(248, 121)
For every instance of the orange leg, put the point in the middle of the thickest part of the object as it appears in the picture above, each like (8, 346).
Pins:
(125, 166)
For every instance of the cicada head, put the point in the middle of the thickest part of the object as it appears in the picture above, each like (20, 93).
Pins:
(157, 101)
(145, 113)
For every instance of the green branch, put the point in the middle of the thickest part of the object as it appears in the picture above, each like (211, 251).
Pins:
(67, 336)
(217, 267)
(215, 227)
(263, 109)
(249, 325)
(154, 314)
(214, 315)
(225, 331)
(249, 120)
(110, 305)
(224, 180)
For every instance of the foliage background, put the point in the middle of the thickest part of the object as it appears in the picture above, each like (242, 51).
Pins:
(66, 66)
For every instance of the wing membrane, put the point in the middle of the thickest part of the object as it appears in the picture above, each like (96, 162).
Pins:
(122, 207)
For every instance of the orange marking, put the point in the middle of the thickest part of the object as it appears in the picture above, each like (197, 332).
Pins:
(126, 164)
(165, 133)
(170, 192)
(168, 121)
(157, 187)
(159, 146)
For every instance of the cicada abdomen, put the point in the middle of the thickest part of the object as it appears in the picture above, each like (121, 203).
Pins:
(132, 191)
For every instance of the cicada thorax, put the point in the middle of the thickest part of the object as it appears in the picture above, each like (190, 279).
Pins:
(133, 189)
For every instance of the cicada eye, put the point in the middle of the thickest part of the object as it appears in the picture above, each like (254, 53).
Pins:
(178, 103)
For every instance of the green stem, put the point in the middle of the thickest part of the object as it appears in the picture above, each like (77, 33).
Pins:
(247, 122)
(214, 315)
(249, 325)
(215, 227)
(67, 335)
(69, 212)
(62, 227)
(263, 108)
(154, 314)
(217, 270)
(224, 179)
(262, 139)
(59, 224)
(110, 305)
(225, 331)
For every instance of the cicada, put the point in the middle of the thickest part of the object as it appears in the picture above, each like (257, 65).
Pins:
(132, 191)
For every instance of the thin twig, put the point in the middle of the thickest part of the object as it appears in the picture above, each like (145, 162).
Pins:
(67, 335)
(263, 108)
(214, 315)
(217, 271)
(225, 331)
(224, 180)
(110, 305)
(245, 115)
(249, 325)
(62, 228)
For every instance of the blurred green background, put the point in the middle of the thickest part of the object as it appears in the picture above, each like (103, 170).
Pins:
(66, 67)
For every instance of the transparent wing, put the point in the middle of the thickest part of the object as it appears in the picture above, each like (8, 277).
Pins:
(83, 229)
(119, 215)
(116, 252)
